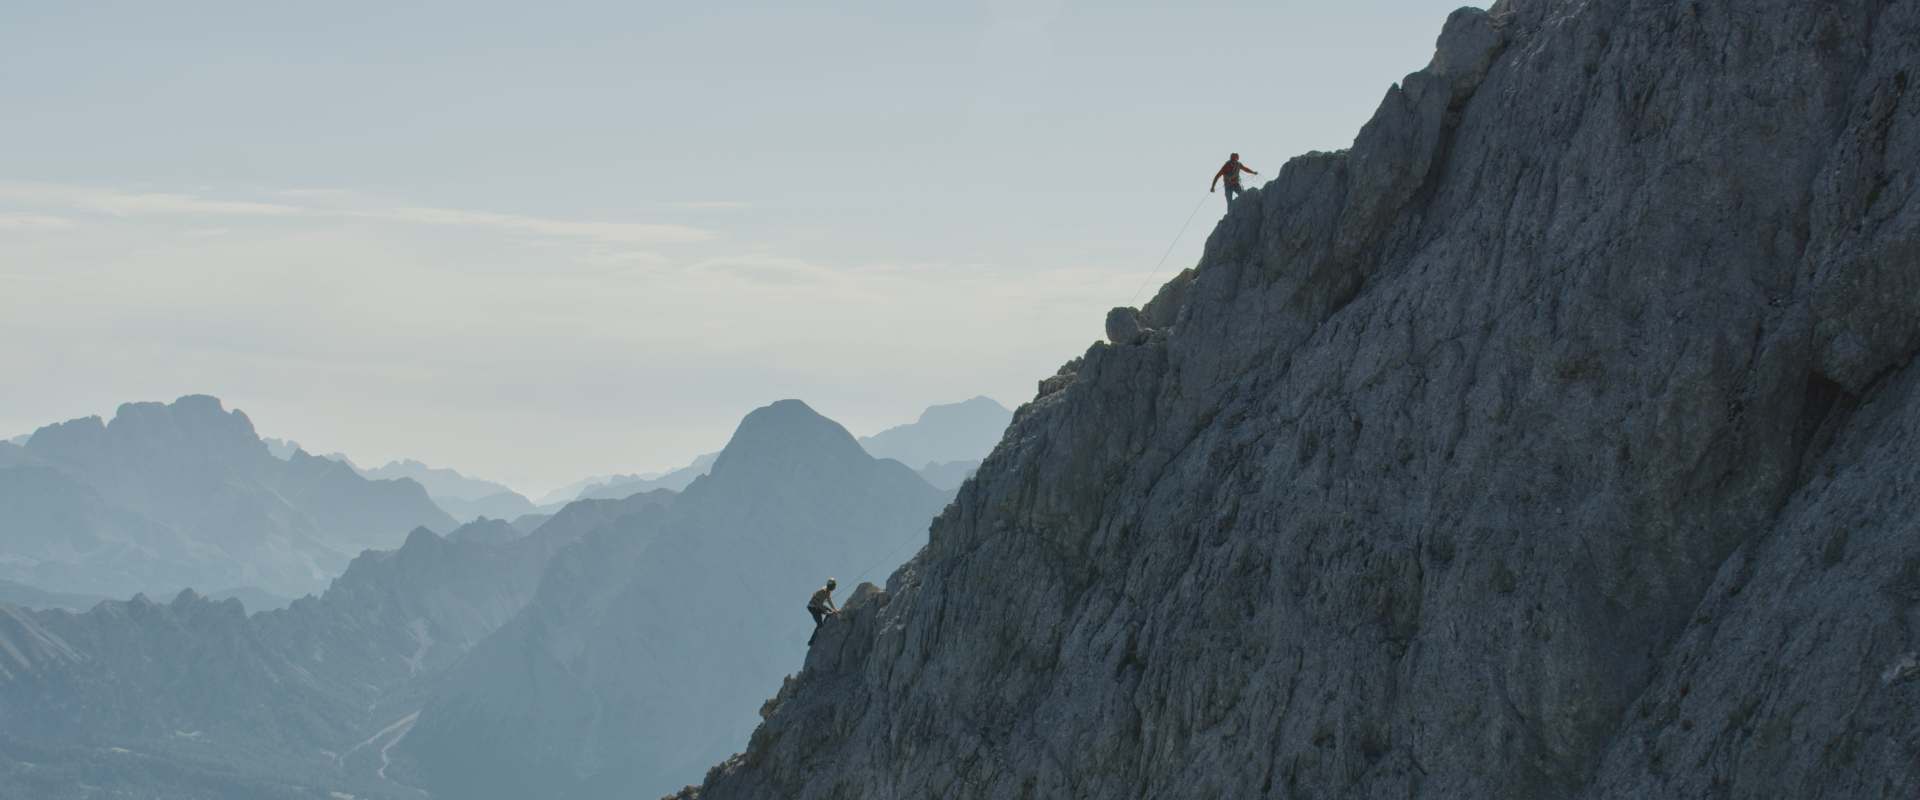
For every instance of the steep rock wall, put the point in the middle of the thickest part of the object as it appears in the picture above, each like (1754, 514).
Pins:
(1553, 441)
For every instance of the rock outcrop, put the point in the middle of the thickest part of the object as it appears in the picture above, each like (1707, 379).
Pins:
(948, 475)
(1556, 440)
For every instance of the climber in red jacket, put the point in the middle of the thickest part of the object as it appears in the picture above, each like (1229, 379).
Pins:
(1231, 171)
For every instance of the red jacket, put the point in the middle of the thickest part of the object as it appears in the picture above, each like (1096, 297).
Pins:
(1231, 171)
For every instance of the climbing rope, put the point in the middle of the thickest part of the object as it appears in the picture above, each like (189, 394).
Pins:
(735, 556)
(1163, 256)
(893, 557)
(890, 558)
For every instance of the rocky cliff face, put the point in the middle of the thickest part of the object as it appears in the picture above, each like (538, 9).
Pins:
(1556, 440)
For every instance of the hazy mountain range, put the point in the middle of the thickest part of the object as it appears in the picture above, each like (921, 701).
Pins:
(20, 594)
(149, 699)
(171, 496)
(626, 672)
(944, 445)
(463, 497)
(284, 449)
(943, 436)
(661, 615)
(166, 496)
(675, 480)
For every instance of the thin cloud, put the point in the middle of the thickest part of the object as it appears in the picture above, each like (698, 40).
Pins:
(711, 205)
(330, 203)
(768, 269)
(35, 222)
(612, 258)
(613, 232)
(119, 203)
(318, 194)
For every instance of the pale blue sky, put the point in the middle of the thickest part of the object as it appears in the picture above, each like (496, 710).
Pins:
(533, 241)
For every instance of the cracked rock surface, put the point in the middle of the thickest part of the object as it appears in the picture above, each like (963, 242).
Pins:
(1559, 439)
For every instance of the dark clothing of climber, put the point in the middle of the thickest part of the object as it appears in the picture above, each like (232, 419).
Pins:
(1231, 172)
(821, 607)
(823, 599)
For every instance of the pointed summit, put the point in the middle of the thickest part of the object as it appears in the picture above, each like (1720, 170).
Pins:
(649, 628)
(787, 435)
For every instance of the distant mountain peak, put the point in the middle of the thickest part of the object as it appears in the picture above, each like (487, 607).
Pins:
(493, 531)
(950, 432)
(463, 496)
(198, 413)
(191, 486)
(790, 408)
(616, 487)
(977, 403)
(82, 431)
(322, 463)
(785, 418)
(422, 537)
(204, 405)
(195, 428)
(785, 431)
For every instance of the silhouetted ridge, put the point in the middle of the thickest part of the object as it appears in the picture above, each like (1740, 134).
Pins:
(950, 433)
(787, 437)
(624, 673)
(186, 494)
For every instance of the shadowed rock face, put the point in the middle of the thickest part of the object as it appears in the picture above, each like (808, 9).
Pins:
(1556, 440)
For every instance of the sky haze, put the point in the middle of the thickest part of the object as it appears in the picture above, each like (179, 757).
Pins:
(539, 241)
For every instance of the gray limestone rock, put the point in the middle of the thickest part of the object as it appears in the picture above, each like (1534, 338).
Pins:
(1557, 440)
(1124, 326)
